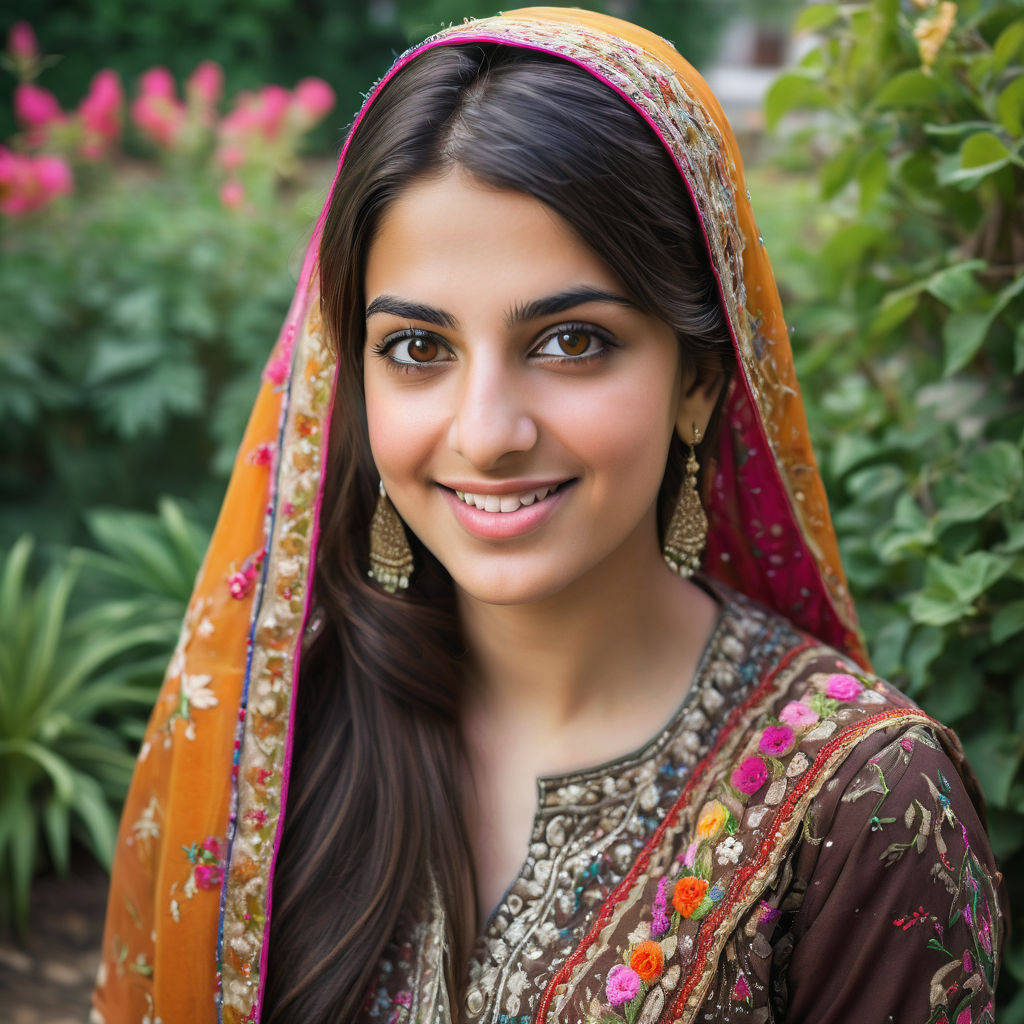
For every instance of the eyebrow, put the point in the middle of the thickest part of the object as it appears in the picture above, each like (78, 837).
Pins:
(550, 305)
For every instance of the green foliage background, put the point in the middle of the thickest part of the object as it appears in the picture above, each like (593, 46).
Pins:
(349, 43)
(890, 198)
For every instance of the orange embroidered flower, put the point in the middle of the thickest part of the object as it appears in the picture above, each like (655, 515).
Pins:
(688, 894)
(647, 960)
(712, 820)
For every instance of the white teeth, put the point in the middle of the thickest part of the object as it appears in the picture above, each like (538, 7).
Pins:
(504, 502)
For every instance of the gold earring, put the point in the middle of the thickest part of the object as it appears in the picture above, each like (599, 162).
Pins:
(390, 555)
(688, 529)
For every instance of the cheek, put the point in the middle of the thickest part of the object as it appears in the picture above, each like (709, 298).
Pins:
(402, 428)
(624, 429)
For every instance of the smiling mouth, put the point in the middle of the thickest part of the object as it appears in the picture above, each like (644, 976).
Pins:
(506, 502)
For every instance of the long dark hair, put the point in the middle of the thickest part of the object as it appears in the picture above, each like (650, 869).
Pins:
(375, 826)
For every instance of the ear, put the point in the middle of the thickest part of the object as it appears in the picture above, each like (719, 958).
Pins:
(698, 395)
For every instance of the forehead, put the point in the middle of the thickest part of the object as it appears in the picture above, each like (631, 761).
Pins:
(455, 239)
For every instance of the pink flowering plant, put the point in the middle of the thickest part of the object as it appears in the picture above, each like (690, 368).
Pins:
(243, 153)
(168, 345)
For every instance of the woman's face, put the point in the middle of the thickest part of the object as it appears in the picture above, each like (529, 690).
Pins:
(520, 408)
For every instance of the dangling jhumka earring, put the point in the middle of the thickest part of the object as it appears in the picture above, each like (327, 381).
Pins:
(390, 555)
(688, 529)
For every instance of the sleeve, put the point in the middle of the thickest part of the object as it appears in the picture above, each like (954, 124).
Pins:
(902, 915)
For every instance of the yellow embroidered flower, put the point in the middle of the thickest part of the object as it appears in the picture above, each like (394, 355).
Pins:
(932, 32)
(712, 820)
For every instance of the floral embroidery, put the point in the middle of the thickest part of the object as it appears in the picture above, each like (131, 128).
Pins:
(262, 454)
(842, 687)
(207, 871)
(688, 894)
(749, 776)
(777, 740)
(728, 851)
(798, 714)
(241, 582)
(623, 984)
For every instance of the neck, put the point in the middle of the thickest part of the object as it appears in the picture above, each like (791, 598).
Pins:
(629, 630)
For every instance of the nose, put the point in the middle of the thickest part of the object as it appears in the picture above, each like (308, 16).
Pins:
(493, 417)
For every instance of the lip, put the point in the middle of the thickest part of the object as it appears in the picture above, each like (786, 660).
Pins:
(505, 525)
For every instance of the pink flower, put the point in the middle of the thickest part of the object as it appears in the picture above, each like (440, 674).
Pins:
(273, 104)
(964, 1017)
(262, 454)
(232, 194)
(313, 98)
(29, 183)
(750, 775)
(35, 107)
(206, 84)
(239, 584)
(208, 876)
(53, 176)
(158, 82)
(257, 816)
(776, 740)
(690, 855)
(100, 113)
(158, 118)
(840, 686)
(212, 845)
(622, 985)
(968, 962)
(798, 714)
(277, 370)
(741, 990)
(21, 42)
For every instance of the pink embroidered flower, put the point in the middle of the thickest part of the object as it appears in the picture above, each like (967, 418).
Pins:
(277, 369)
(964, 1017)
(212, 846)
(208, 876)
(968, 962)
(750, 775)
(741, 990)
(777, 740)
(798, 714)
(907, 744)
(840, 686)
(239, 584)
(622, 985)
(768, 913)
(257, 816)
(690, 855)
(262, 454)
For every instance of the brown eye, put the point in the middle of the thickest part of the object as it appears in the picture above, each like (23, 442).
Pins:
(573, 343)
(422, 350)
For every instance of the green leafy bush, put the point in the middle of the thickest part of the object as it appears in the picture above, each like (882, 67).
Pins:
(77, 681)
(130, 352)
(905, 285)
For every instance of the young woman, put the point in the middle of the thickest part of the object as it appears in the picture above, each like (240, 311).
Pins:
(445, 739)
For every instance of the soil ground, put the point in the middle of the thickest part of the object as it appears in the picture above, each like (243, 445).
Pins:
(47, 978)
